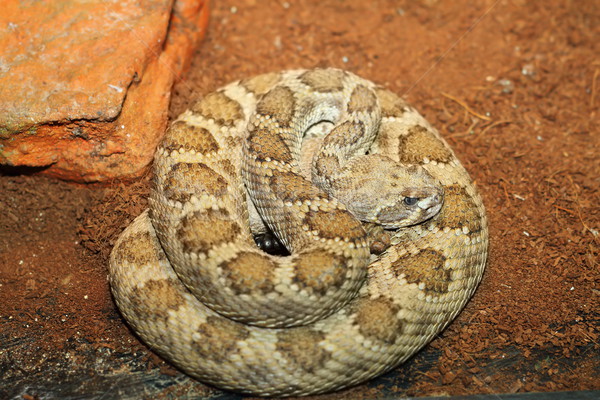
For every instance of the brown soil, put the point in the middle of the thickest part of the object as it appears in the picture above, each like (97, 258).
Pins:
(513, 86)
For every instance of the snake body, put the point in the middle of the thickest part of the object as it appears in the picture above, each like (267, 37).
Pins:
(189, 279)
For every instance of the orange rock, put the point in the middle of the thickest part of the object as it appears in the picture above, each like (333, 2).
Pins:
(85, 86)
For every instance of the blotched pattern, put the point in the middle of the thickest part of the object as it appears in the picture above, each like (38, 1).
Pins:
(238, 318)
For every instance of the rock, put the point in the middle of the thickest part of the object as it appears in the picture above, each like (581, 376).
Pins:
(85, 86)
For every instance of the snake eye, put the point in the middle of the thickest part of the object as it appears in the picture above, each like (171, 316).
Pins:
(411, 201)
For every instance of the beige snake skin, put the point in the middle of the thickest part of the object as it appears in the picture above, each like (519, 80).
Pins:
(189, 279)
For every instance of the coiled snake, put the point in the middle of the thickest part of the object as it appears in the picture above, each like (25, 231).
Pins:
(189, 279)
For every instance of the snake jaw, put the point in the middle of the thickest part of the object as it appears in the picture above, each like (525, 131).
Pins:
(432, 204)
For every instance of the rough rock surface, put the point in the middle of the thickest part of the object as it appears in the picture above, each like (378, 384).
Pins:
(85, 85)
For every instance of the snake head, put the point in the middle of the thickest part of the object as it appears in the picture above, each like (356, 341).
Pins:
(415, 196)
(394, 195)
(389, 193)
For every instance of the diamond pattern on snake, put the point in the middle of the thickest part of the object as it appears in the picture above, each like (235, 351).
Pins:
(320, 160)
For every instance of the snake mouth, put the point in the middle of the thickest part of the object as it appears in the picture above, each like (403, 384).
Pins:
(431, 205)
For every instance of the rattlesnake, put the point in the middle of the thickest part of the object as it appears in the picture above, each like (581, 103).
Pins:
(319, 319)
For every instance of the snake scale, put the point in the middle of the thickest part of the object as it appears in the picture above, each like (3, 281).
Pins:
(190, 280)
